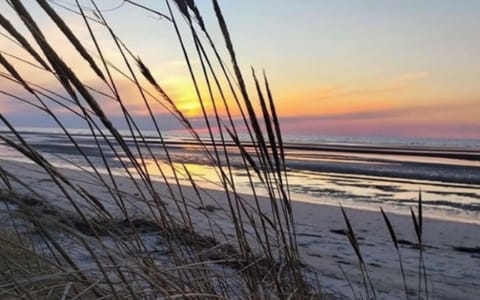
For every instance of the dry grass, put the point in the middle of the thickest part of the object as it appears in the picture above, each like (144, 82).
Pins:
(101, 240)
(25, 274)
(99, 219)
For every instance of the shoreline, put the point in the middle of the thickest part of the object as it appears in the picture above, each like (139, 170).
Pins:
(450, 247)
(411, 163)
(429, 212)
(319, 144)
(395, 170)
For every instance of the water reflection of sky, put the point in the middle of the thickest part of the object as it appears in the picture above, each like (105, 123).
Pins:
(451, 201)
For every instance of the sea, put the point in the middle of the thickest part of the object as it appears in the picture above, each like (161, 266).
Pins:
(359, 172)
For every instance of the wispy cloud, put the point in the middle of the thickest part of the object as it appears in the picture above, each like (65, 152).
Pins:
(422, 109)
(361, 115)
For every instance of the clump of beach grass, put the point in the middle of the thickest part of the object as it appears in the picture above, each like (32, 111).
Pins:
(26, 274)
(95, 233)
(106, 225)
(422, 290)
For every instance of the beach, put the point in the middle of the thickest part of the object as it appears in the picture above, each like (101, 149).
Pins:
(451, 249)
(239, 150)
(357, 173)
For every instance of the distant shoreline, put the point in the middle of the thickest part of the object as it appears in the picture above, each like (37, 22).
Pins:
(443, 165)
(450, 186)
(373, 147)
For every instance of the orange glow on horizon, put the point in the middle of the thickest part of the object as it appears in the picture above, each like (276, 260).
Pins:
(190, 108)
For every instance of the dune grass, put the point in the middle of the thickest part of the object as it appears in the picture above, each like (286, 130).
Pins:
(259, 259)
(95, 233)
(25, 273)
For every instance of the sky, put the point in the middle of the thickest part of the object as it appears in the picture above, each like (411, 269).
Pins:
(348, 67)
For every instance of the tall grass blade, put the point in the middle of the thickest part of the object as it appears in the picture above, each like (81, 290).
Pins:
(356, 247)
(5, 23)
(393, 236)
(71, 37)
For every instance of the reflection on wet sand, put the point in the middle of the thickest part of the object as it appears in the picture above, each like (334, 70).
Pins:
(357, 175)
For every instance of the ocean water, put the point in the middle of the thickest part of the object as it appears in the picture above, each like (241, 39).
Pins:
(361, 172)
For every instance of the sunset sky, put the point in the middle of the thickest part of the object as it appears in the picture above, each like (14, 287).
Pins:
(349, 67)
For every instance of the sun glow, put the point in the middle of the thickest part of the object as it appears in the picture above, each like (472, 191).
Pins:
(191, 108)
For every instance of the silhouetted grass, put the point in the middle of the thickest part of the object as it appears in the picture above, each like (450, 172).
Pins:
(100, 219)
(95, 234)
(369, 286)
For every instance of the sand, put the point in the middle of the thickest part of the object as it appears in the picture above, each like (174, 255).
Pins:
(451, 248)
